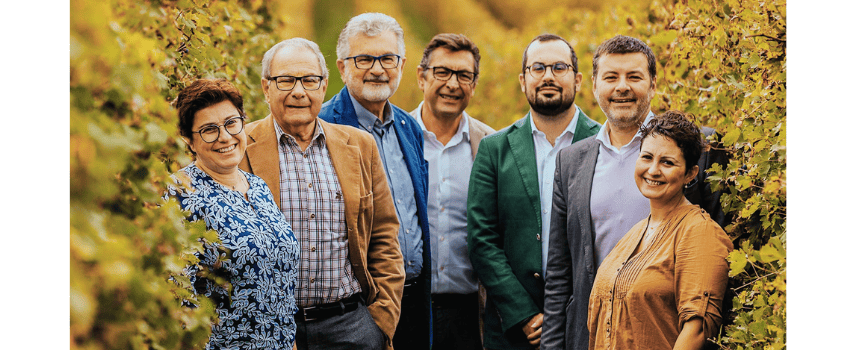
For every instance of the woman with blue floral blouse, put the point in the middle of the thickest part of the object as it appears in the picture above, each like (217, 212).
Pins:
(258, 313)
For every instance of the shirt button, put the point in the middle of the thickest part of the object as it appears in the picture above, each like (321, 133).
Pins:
(312, 249)
(305, 155)
(410, 263)
(538, 237)
(407, 230)
(311, 216)
(442, 238)
(537, 275)
(399, 201)
(312, 280)
(442, 208)
(442, 268)
(310, 185)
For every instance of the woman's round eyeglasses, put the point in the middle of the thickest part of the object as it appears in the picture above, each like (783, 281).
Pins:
(211, 132)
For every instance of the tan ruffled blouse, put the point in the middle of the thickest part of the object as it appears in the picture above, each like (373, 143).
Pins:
(642, 302)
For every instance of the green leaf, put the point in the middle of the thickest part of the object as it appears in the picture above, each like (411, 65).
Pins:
(738, 262)
(731, 137)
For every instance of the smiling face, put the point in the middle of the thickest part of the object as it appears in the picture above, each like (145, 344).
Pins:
(550, 95)
(223, 155)
(446, 99)
(297, 108)
(376, 84)
(661, 171)
(624, 88)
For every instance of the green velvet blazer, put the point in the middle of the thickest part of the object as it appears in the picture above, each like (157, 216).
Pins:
(504, 229)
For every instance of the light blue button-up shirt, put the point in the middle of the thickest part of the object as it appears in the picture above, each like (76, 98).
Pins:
(400, 183)
(616, 203)
(545, 160)
(449, 168)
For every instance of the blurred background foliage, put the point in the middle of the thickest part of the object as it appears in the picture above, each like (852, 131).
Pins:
(723, 61)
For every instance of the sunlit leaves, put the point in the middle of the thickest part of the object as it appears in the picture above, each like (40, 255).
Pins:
(738, 85)
(128, 61)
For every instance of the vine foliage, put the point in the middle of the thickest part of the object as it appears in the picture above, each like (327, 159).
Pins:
(129, 59)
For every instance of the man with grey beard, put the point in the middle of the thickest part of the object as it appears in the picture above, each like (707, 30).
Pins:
(370, 55)
(511, 191)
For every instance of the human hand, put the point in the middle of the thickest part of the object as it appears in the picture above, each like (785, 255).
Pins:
(532, 330)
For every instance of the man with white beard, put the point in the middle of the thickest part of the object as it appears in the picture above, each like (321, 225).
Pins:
(370, 54)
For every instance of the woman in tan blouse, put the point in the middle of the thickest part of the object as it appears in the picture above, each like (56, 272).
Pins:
(662, 285)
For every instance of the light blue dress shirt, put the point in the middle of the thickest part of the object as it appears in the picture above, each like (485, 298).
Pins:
(545, 159)
(616, 203)
(409, 233)
(449, 168)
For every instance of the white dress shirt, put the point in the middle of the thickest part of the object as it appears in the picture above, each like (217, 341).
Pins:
(449, 169)
(616, 203)
(545, 157)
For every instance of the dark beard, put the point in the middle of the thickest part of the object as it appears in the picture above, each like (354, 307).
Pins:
(551, 108)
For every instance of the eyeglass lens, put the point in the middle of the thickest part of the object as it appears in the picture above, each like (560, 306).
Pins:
(443, 73)
(367, 61)
(211, 133)
(309, 82)
(559, 68)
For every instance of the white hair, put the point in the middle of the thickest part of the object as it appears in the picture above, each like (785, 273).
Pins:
(371, 24)
(293, 42)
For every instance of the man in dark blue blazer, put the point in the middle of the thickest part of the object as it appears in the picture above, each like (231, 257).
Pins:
(370, 55)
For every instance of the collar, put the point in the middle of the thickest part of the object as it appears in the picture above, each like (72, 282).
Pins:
(603, 135)
(463, 125)
(367, 120)
(569, 129)
(319, 132)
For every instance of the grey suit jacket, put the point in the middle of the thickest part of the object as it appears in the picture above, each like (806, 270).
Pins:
(570, 257)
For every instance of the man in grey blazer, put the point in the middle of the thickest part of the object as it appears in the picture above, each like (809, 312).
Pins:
(447, 77)
(595, 198)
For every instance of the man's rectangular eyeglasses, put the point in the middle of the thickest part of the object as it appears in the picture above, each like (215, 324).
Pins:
(211, 132)
(538, 69)
(443, 73)
(288, 82)
(387, 61)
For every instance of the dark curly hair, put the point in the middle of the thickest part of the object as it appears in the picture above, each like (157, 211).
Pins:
(678, 127)
(202, 94)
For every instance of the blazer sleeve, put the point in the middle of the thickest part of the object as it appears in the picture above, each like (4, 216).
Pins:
(558, 287)
(384, 260)
(485, 244)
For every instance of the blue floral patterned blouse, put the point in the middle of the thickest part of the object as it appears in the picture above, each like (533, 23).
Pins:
(262, 266)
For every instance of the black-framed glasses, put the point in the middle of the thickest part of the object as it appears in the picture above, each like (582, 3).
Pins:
(538, 69)
(443, 73)
(211, 132)
(288, 82)
(387, 61)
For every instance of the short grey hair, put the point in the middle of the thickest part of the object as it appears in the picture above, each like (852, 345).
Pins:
(293, 42)
(371, 24)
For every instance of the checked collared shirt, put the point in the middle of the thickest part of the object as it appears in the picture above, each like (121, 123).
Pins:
(311, 199)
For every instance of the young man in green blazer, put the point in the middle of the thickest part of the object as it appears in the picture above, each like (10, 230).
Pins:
(510, 194)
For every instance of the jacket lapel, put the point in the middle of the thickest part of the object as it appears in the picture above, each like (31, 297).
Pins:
(586, 175)
(476, 134)
(523, 150)
(585, 127)
(345, 159)
(263, 155)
